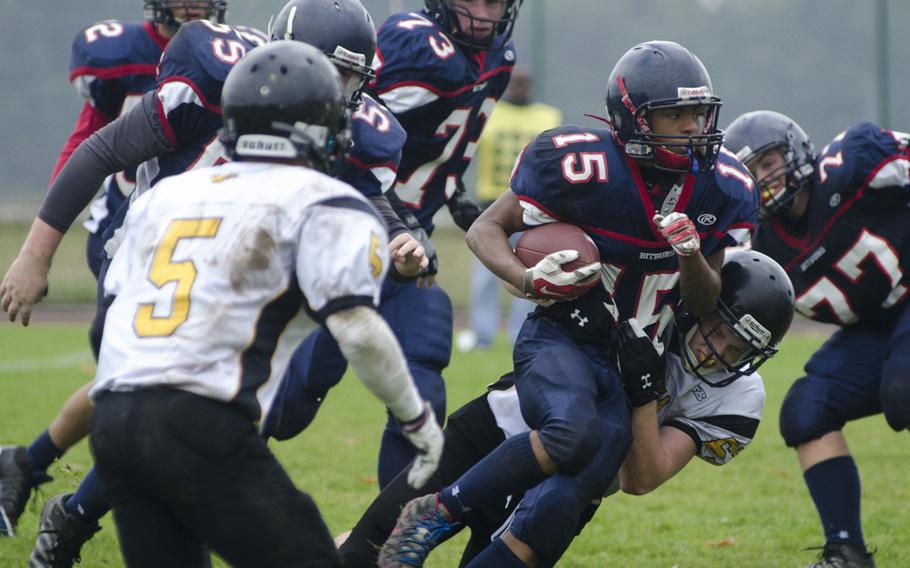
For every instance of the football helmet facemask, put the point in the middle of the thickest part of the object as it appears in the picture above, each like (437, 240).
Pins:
(161, 11)
(753, 134)
(342, 29)
(283, 101)
(445, 13)
(662, 75)
(756, 303)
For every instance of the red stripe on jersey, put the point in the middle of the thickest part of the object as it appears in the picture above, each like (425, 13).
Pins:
(365, 166)
(115, 71)
(189, 82)
(447, 94)
(598, 231)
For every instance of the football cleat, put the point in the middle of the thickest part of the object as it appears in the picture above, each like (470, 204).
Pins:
(423, 524)
(15, 484)
(60, 536)
(843, 555)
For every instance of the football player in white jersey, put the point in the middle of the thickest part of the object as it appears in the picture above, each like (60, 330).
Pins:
(215, 265)
(704, 400)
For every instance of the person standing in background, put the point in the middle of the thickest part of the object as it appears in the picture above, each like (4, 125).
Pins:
(514, 122)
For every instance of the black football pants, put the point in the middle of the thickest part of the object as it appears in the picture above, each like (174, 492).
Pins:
(185, 473)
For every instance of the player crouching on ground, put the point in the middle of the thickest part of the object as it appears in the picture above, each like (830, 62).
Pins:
(187, 370)
(705, 400)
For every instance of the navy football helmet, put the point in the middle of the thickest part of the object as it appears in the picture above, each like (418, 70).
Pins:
(756, 302)
(284, 101)
(659, 75)
(754, 133)
(342, 29)
(159, 11)
(446, 12)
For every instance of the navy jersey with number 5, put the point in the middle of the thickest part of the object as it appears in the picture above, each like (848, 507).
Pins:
(583, 176)
(850, 263)
(442, 93)
(190, 76)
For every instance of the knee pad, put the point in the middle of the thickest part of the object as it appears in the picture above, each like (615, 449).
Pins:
(572, 442)
(804, 414)
(895, 392)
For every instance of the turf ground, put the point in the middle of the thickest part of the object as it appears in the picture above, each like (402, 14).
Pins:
(753, 512)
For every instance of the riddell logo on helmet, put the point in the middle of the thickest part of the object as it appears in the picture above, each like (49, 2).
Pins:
(693, 92)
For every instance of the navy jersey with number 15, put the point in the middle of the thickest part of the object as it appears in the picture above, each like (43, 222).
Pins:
(584, 177)
(442, 94)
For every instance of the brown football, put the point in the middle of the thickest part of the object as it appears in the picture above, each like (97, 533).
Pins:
(538, 242)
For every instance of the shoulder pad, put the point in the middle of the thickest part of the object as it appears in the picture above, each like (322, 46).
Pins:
(378, 136)
(202, 53)
(106, 48)
(411, 48)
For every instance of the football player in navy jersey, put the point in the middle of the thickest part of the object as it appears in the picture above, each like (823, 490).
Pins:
(838, 222)
(680, 410)
(662, 200)
(440, 71)
(112, 64)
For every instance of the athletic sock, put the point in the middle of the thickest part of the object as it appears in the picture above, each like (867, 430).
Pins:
(510, 468)
(87, 502)
(497, 555)
(43, 452)
(835, 488)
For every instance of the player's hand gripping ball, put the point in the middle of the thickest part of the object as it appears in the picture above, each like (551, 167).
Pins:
(563, 262)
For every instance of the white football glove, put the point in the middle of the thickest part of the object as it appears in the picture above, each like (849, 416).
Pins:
(547, 280)
(680, 232)
(426, 435)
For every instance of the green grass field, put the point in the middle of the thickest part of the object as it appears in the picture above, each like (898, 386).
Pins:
(753, 512)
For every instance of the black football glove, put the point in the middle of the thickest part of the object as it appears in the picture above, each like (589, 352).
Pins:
(463, 209)
(429, 250)
(642, 367)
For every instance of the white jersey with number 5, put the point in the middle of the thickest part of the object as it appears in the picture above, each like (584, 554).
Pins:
(216, 263)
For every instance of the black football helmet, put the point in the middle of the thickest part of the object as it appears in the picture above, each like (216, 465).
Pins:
(284, 101)
(159, 11)
(342, 29)
(445, 12)
(756, 302)
(658, 75)
(754, 133)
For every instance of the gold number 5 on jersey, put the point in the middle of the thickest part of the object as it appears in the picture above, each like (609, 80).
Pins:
(164, 270)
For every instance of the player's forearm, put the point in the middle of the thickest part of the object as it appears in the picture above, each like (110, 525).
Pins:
(376, 357)
(699, 283)
(41, 243)
(489, 242)
(393, 222)
(645, 466)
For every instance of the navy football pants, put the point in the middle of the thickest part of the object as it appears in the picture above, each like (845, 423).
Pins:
(843, 379)
(421, 319)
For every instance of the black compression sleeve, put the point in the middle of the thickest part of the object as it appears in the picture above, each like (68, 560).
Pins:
(130, 140)
(392, 221)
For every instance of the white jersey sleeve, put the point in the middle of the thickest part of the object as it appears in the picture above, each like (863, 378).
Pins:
(342, 257)
(721, 421)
